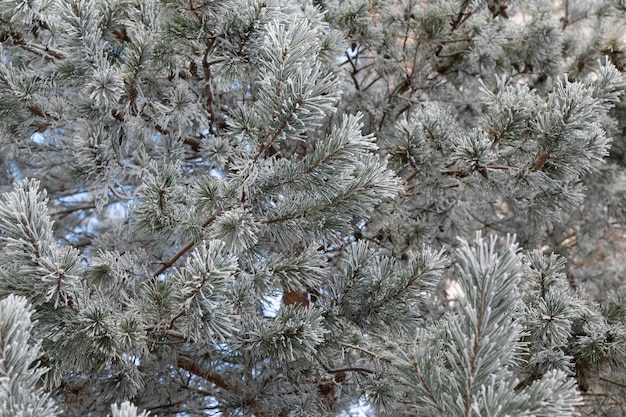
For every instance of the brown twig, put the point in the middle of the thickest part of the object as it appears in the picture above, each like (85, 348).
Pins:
(350, 369)
(45, 53)
(63, 213)
(619, 384)
(167, 264)
(190, 365)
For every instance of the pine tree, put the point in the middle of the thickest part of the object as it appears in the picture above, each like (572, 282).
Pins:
(283, 208)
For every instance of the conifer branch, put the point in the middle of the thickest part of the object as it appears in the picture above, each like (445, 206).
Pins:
(344, 370)
(364, 350)
(176, 317)
(353, 72)
(318, 209)
(351, 369)
(65, 212)
(461, 18)
(193, 367)
(426, 386)
(44, 52)
(619, 384)
(171, 261)
(270, 140)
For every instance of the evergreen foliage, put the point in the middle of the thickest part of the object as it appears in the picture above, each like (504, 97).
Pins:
(19, 395)
(312, 207)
